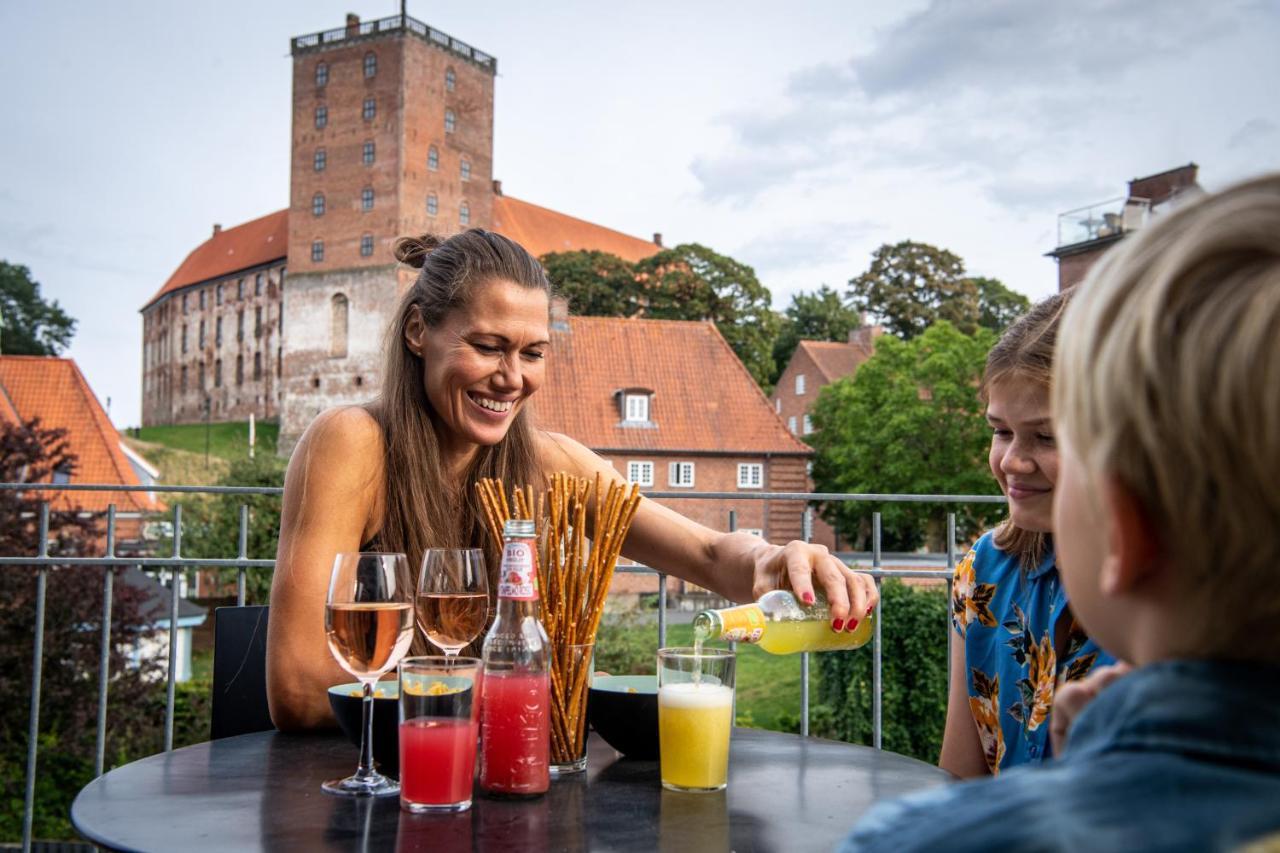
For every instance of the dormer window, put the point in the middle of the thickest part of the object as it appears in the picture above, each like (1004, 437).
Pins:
(636, 408)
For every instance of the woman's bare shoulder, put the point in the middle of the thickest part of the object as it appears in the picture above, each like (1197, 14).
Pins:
(346, 437)
(559, 452)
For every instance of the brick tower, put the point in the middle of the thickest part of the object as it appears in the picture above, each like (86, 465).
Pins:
(392, 135)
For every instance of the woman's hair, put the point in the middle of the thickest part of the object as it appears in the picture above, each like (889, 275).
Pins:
(1168, 382)
(427, 506)
(1025, 353)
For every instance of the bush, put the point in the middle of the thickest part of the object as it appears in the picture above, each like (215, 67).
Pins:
(914, 659)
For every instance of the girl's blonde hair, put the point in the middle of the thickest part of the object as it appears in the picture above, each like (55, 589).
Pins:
(1025, 353)
(1168, 382)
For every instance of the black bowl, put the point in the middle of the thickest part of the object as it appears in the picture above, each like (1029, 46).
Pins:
(623, 709)
(346, 699)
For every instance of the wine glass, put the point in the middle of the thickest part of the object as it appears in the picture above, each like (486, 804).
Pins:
(368, 619)
(453, 597)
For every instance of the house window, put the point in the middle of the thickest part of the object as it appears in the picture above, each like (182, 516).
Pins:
(240, 289)
(808, 425)
(279, 361)
(61, 476)
(338, 326)
(257, 365)
(637, 408)
(320, 161)
(449, 122)
(466, 171)
(217, 335)
(464, 214)
(257, 321)
(433, 204)
(640, 473)
(317, 204)
(366, 245)
(184, 303)
(257, 285)
(184, 339)
(370, 109)
(322, 74)
(366, 198)
(322, 117)
(317, 251)
(450, 79)
(202, 298)
(239, 370)
(366, 155)
(433, 158)
(202, 376)
(681, 474)
(799, 384)
(217, 374)
(218, 295)
(370, 64)
(750, 475)
(791, 424)
(182, 382)
(240, 325)
(202, 335)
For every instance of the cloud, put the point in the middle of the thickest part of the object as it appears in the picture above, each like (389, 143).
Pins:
(1253, 132)
(807, 246)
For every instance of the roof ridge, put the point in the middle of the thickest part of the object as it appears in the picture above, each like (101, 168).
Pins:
(580, 219)
(98, 416)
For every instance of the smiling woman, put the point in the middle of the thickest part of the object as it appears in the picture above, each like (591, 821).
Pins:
(465, 352)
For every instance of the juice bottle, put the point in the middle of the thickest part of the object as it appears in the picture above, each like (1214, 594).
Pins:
(781, 626)
(514, 714)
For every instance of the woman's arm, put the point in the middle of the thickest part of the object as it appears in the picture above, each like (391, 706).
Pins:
(961, 746)
(739, 566)
(332, 493)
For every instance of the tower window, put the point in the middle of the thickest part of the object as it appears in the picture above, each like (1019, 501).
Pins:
(257, 321)
(202, 335)
(184, 339)
(366, 198)
(370, 109)
(450, 79)
(217, 335)
(257, 285)
(320, 161)
(217, 373)
(370, 64)
(433, 205)
(240, 289)
(366, 245)
(464, 214)
(322, 116)
(183, 380)
(239, 370)
(317, 251)
(203, 297)
(184, 303)
(240, 325)
(218, 294)
(322, 74)
(466, 170)
(317, 204)
(433, 158)
(449, 121)
(257, 365)
(367, 155)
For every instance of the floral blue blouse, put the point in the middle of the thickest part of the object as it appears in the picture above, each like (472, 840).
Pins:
(1005, 617)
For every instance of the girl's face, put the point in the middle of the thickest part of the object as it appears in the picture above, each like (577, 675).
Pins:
(482, 362)
(1024, 455)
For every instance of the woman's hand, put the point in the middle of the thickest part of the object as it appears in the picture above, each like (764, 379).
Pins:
(851, 595)
(1074, 696)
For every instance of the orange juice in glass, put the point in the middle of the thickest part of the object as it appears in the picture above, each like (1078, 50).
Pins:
(695, 715)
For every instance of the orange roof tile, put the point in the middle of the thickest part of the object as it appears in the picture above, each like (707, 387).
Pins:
(541, 231)
(703, 398)
(54, 390)
(835, 359)
(260, 241)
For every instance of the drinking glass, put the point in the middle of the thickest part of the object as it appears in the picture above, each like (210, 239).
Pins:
(453, 597)
(368, 619)
(695, 714)
(438, 732)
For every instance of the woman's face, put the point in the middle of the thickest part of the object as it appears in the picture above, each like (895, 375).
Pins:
(1024, 455)
(483, 361)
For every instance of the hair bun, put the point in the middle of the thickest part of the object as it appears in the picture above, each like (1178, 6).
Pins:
(414, 250)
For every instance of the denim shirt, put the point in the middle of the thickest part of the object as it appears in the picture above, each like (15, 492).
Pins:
(1180, 755)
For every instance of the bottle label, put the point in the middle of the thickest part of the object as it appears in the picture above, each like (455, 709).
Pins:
(743, 624)
(519, 580)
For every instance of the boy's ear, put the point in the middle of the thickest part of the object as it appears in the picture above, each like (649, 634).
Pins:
(1133, 549)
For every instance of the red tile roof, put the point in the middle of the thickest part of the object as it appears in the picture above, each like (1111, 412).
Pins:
(835, 359)
(703, 398)
(54, 390)
(541, 231)
(260, 241)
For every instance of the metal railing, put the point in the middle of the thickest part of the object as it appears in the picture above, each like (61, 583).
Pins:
(42, 561)
(392, 24)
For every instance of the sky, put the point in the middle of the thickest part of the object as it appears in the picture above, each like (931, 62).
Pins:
(796, 139)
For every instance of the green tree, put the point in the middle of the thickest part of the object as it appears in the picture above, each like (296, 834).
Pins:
(597, 284)
(998, 306)
(910, 286)
(692, 282)
(28, 324)
(909, 421)
(818, 316)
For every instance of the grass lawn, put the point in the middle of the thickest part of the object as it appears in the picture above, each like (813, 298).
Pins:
(226, 440)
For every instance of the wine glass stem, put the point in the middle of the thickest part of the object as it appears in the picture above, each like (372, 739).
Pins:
(366, 737)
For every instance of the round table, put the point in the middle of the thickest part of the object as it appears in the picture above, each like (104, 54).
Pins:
(262, 792)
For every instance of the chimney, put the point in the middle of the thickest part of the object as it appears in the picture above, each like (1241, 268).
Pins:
(217, 228)
(353, 24)
(657, 239)
(497, 187)
(1161, 187)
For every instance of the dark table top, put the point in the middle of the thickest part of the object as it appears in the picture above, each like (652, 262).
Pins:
(262, 791)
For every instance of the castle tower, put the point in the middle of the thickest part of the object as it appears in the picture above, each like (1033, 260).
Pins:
(392, 135)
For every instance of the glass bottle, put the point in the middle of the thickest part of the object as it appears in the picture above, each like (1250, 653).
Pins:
(781, 625)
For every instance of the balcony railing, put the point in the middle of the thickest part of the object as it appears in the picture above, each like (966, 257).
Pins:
(395, 23)
(175, 563)
(1098, 221)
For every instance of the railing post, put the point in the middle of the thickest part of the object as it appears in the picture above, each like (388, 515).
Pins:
(244, 553)
(37, 658)
(877, 688)
(662, 610)
(951, 571)
(170, 696)
(104, 659)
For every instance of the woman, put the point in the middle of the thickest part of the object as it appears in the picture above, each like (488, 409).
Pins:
(466, 351)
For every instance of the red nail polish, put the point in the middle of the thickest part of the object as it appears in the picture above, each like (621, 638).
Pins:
(853, 623)
(808, 598)
(870, 610)
(837, 624)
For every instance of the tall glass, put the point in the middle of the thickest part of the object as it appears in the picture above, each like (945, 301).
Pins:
(695, 715)
(439, 726)
(368, 620)
(452, 603)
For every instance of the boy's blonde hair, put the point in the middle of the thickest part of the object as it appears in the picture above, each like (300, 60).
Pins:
(1168, 379)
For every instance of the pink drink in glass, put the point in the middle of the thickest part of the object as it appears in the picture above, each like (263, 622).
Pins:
(437, 760)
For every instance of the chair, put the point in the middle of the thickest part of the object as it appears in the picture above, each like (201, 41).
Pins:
(239, 672)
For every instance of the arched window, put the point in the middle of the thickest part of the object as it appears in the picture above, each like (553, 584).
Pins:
(464, 214)
(450, 79)
(449, 121)
(317, 204)
(466, 170)
(338, 326)
(366, 245)
(321, 160)
(370, 64)
(433, 158)
(370, 109)
(433, 205)
(322, 74)
(322, 116)
(317, 253)
(366, 156)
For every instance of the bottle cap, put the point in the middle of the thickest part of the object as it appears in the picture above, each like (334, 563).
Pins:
(519, 527)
